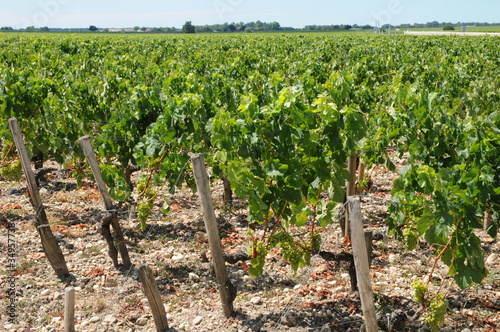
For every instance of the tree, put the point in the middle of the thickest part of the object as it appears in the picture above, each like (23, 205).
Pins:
(93, 28)
(136, 28)
(231, 27)
(448, 27)
(274, 26)
(203, 28)
(188, 28)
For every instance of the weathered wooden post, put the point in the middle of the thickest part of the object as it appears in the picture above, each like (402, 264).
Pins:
(69, 310)
(362, 267)
(350, 191)
(112, 217)
(361, 176)
(154, 297)
(227, 290)
(487, 219)
(49, 243)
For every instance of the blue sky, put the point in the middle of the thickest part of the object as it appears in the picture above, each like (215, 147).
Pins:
(167, 13)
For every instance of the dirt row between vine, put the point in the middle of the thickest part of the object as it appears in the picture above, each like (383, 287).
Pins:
(316, 298)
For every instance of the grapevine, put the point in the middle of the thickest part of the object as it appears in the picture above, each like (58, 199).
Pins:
(435, 307)
(279, 125)
(12, 171)
(146, 203)
(437, 311)
(411, 238)
(10, 168)
(420, 289)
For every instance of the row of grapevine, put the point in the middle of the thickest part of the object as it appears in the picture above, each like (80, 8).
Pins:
(279, 115)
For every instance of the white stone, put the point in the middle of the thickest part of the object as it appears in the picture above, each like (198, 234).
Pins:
(94, 319)
(44, 292)
(178, 257)
(193, 276)
(110, 319)
(256, 300)
(492, 260)
(339, 289)
(197, 320)
(141, 321)
(392, 258)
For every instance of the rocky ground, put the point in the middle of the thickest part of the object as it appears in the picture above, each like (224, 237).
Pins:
(317, 298)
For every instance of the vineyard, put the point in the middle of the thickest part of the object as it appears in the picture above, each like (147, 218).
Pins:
(279, 119)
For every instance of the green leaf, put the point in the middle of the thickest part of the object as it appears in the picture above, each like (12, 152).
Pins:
(274, 173)
(165, 207)
(301, 215)
(425, 222)
(328, 214)
(337, 194)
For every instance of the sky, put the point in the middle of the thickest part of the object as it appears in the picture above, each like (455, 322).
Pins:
(289, 13)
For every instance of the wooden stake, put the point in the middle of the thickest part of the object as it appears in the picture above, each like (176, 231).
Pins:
(228, 193)
(488, 219)
(227, 290)
(154, 297)
(69, 310)
(101, 185)
(361, 176)
(350, 190)
(49, 243)
(362, 268)
(112, 217)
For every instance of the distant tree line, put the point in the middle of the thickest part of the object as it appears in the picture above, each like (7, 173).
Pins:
(436, 24)
(242, 27)
(259, 26)
(33, 29)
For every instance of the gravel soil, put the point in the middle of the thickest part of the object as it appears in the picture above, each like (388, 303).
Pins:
(316, 298)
